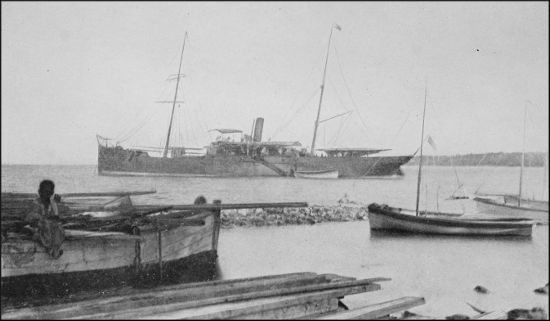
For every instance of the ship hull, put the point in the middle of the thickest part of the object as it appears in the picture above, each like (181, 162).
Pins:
(119, 161)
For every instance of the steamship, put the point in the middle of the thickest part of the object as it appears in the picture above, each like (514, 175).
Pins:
(247, 157)
(236, 154)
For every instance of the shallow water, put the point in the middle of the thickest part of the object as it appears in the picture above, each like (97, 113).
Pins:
(443, 270)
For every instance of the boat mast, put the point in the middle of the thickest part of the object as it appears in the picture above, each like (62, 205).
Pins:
(421, 146)
(522, 156)
(174, 104)
(545, 177)
(322, 90)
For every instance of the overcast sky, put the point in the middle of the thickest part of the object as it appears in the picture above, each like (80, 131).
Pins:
(74, 70)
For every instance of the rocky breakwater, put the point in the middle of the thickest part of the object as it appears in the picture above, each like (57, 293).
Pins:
(343, 212)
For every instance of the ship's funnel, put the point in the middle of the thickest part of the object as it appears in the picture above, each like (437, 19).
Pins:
(258, 127)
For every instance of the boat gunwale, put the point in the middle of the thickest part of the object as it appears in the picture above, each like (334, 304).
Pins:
(494, 203)
(322, 171)
(449, 222)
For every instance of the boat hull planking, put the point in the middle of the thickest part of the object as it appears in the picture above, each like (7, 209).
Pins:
(388, 218)
(187, 253)
(492, 206)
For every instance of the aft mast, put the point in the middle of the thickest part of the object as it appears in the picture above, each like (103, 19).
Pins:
(421, 146)
(522, 156)
(174, 103)
(545, 178)
(322, 90)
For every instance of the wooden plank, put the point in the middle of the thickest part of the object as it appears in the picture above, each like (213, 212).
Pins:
(209, 288)
(376, 310)
(141, 309)
(229, 206)
(170, 300)
(281, 307)
(154, 310)
(338, 278)
(294, 311)
(9, 196)
(80, 234)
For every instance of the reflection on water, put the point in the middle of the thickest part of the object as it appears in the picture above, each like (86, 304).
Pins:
(380, 235)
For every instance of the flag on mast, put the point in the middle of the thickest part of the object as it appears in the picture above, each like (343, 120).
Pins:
(337, 27)
(431, 142)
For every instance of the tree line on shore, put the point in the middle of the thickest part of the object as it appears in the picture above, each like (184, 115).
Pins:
(532, 159)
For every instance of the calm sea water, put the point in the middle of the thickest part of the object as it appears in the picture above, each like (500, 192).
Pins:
(443, 270)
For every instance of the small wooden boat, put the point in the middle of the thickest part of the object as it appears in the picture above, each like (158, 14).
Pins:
(531, 203)
(327, 173)
(108, 246)
(517, 205)
(507, 205)
(167, 246)
(383, 217)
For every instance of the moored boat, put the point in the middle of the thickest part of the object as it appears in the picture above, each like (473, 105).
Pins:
(106, 246)
(531, 203)
(328, 173)
(116, 251)
(517, 205)
(244, 156)
(383, 217)
(497, 205)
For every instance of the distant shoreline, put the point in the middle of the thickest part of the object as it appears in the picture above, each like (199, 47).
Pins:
(532, 159)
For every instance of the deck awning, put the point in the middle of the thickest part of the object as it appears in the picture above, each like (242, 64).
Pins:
(352, 151)
(226, 130)
(279, 144)
(263, 144)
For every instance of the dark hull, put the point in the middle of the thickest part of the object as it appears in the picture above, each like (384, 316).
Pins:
(100, 261)
(386, 218)
(194, 268)
(119, 161)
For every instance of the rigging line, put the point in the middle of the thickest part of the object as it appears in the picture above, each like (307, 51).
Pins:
(193, 116)
(486, 173)
(333, 86)
(284, 125)
(392, 141)
(180, 115)
(344, 128)
(349, 91)
(137, 128)
(306, 80)
(401, 127)
(343, 105)
(342, 122)
(204, 124)
(189, 132)
(294, 101)
(133, 131)
(128, 129)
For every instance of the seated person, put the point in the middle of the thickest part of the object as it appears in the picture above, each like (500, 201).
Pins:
(43, 216)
